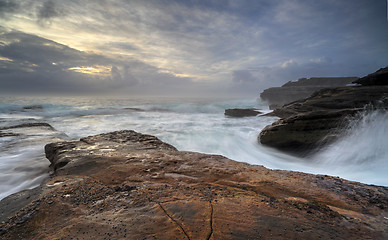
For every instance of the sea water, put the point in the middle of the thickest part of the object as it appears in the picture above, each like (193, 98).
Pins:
(188, 124)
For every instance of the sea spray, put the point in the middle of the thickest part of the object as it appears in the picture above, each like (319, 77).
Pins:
(362, 152)
(190, 125)
(21, 166)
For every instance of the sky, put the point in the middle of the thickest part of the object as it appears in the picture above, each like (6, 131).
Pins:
(185, 48)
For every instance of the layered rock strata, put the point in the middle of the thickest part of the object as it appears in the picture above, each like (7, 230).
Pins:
(303, 88)
(126, 185)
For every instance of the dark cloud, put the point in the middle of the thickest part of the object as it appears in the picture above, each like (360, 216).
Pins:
(26, 48)
(8, 7)
(47, 12)
(123, 76)
(232, 46)
(33, 64)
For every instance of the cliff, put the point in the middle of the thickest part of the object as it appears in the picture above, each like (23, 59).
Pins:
(126, 185)
(380, 77)
(313, 122)
(303, 88)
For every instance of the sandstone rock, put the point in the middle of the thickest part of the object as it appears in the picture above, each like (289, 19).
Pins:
(312, 122)
(242, 112)
(125, 185)
(303, 88)
(379, 77)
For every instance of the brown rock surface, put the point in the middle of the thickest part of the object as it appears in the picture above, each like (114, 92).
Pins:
(125, 185)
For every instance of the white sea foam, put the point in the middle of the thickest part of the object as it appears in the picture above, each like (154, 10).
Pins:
(21, 167)
(194, 125)
(362, 153)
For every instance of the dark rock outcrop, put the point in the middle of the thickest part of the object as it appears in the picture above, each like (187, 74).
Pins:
(44, 130)
(125, 185)
(310, 123)
(29, 125)
(242, 112)
(303, 88)
(33, 107)
(377, 78)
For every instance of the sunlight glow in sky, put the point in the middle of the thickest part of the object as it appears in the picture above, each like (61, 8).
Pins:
(191, 47)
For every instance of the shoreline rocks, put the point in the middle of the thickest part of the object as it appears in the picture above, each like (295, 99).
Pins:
(126, 185)
(380, 77)
(311, 123)
(242, 112)
(303, 88)
(308, 124)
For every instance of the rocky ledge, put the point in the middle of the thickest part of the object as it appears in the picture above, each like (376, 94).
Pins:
(304, 87)
(380, 77)
(126, 185)
(310, 123)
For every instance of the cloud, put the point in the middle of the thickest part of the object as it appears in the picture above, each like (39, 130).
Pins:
(289, 64)
(8, 7)
(241, 76)
(123, 76)
(257, 79)
(187, 46)
(47, 12)
(33, 64)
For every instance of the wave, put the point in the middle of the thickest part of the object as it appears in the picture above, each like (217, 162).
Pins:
(362, 152)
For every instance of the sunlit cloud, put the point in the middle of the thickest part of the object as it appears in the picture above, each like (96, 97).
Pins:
(186, 42)
(5, 59)
(97, 70)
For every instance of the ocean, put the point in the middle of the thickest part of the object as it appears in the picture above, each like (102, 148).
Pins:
(188, 124)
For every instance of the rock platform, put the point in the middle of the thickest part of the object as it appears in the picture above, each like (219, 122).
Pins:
(127, 185)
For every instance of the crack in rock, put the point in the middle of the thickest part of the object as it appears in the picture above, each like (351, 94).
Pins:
(211, 221)
(179, 225)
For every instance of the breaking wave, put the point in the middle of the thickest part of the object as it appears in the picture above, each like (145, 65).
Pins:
(362, 152)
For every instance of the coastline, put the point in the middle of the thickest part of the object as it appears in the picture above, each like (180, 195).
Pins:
(127, 185)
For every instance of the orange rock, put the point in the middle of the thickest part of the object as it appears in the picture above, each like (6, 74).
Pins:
(125, 185)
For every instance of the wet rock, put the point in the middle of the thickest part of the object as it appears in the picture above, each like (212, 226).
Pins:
(134, 109)
(318, 120)
(108, 189)
(242, 112)
(29, 125)
(33, 107)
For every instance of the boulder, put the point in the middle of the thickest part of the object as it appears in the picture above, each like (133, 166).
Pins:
(126, 185)
(242, 112)
(303, 88)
